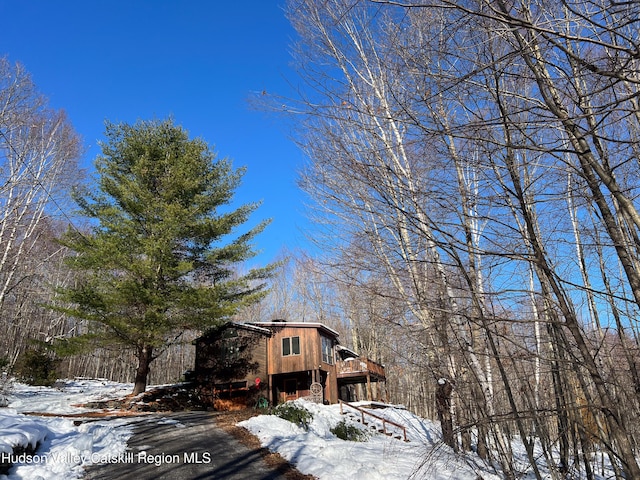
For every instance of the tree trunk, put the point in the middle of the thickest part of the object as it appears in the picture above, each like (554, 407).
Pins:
(145, 357)
(557, 347)
(443, 406)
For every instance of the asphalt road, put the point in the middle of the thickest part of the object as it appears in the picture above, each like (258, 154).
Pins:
(184, 446)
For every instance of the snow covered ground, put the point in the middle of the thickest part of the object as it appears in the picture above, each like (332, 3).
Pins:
(65, 448)
(67, 397)
(318, 452)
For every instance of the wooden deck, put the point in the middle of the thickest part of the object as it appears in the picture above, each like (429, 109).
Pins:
(360, 367)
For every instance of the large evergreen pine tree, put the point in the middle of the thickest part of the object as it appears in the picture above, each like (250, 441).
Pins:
(163, 253)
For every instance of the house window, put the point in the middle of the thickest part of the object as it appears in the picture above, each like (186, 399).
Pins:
(229, 348)
(290, 346)
(327, 350)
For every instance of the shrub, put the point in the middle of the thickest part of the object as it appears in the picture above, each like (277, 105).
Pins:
(37, 367)
(351, 433)
(295, 414)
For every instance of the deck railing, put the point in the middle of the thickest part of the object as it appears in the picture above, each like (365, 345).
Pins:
(378, 417)
(360, 365)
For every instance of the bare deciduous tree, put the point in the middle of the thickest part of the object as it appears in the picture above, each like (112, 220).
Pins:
(485, 156)
(39, 151)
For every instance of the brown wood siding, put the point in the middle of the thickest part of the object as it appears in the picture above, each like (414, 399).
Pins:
(250, 364)
(310, 357)
(260, 357)
(231, 358)
(331, 390)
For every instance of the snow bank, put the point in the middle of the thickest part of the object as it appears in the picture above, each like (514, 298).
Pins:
(64, 448)
(318, 452)
(19, 431)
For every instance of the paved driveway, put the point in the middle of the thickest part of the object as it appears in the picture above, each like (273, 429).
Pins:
(184, 446)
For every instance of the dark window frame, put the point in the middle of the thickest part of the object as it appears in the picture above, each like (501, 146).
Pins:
(290, 346)
(328, 353)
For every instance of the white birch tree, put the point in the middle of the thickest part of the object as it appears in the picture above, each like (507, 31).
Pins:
(38, 164)
(39, 152)
(442, 138)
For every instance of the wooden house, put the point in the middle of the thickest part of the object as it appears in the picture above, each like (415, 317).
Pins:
(230, 360)
(283, 361)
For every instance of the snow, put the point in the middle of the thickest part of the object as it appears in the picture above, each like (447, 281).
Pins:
(67, 398)
(64, 448)
(319, 452)
(36, 417)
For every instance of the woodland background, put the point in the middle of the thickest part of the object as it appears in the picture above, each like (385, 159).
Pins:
(474, 170)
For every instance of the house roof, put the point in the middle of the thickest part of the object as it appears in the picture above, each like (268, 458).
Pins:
(265, 328)
(245, 326)
(347, 350)
(319, 326)
(251, 326)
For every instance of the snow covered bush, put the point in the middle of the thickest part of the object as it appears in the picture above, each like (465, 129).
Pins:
(349, 432)
(294, 413)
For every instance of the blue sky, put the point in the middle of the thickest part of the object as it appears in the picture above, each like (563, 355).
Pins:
(198, 61)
